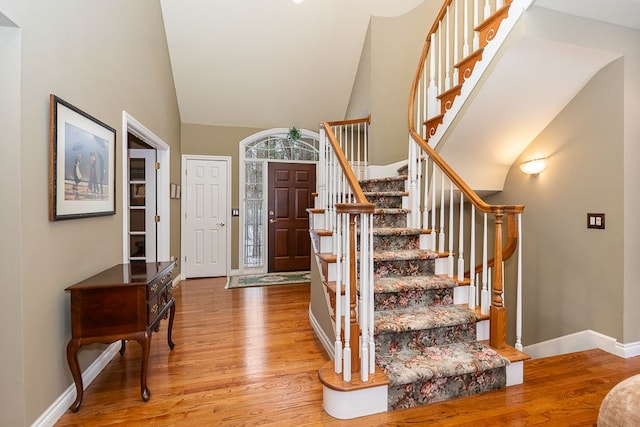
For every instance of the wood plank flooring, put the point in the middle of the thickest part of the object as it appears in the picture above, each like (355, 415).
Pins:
(248, 357)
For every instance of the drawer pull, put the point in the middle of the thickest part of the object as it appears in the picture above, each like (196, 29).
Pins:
(163, 279)
(154, 288)
(154, 309)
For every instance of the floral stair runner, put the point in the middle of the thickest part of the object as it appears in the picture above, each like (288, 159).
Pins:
(426, 345)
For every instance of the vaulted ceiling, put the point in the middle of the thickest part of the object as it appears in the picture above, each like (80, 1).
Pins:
(273, 63)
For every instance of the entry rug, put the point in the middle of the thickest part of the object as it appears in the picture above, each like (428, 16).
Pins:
(268, 279)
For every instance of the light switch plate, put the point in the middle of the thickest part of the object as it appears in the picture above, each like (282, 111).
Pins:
(595, 220)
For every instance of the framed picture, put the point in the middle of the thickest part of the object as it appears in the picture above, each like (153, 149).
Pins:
(82, 163)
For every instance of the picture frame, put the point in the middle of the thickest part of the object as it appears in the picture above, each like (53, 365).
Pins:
(82, 163)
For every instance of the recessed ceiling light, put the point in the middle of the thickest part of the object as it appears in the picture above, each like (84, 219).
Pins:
(297, 1)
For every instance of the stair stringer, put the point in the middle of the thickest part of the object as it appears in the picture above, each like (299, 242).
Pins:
(516, 10)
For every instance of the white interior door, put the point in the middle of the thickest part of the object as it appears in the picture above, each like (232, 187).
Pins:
(206, 218)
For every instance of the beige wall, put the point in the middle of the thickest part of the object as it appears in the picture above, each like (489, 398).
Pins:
(573, 275)
(396, 45)
(219, 141)
(556, 26)
(12, 385)
(104, 57)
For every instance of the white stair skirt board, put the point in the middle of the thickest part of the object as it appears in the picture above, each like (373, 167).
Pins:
(442, 266)
(580, 341)
(327, 343)
(482, 330)
(425, 241)
(346, 405)
(64, 401)
(515, 373)
(461, 295)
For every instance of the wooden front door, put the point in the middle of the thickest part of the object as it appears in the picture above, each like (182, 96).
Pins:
(290, 194)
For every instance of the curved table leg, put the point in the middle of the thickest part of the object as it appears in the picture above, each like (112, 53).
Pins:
(72, 359)
(123, 345)
(145, 343)
(172, 312)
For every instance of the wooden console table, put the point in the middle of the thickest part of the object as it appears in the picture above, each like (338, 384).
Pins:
(125, 302)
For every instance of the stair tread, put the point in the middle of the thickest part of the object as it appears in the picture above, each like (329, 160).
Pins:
(398, 231)
(410, 283)
(390, 211)
(417, 318)
(404, 255)
(386, 193)
(406, 366)
(384, 179)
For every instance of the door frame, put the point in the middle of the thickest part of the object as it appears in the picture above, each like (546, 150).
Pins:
(183, 207)
(275, 132)
(163, 156)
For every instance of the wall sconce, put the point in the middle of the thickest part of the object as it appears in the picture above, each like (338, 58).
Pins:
(534, 167)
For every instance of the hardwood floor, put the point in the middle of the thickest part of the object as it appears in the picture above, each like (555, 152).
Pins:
(248, 357)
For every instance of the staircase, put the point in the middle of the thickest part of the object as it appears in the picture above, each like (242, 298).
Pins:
(425, 344)
(409, 329)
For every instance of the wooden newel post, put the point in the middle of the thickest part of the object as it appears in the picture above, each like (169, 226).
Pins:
(354, 340)
(498, 313)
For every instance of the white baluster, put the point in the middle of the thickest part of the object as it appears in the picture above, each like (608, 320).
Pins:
(346, 363)
(433, 208)
(484, 296)
(412, 180)
(487, 9)
(447, 61)
(456, 58)
(476, 36)
(519, 289)
(499, 4)
(364, 298)
(450, 231)
(338, 310)
(432, 103)
(366, 150)
(461, 241)
(424, 99)
(441, 235)
(372, 344)
(425, 211)
(472, 261)
(465, 30)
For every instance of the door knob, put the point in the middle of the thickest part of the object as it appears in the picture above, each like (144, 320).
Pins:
(271, 220)
(271, 213)
(221, 224)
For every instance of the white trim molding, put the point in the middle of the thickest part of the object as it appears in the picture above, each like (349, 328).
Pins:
(581, 341)
(61, 405)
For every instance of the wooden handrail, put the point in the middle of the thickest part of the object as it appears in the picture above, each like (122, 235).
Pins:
(498, 311)
(366, 120)
(360, 198)
(480, 204)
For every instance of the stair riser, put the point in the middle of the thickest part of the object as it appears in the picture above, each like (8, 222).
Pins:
(413, 298)
(390, 220)
(441, 389)
(424, 338)
(382, 243)
(385, 201)
(403, 268)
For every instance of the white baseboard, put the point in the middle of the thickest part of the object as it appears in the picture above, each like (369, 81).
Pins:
(327, 343)
(64, 401)
(580, 341)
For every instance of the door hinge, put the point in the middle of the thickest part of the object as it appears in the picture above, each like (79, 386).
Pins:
(156, 218)
(156, 165)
